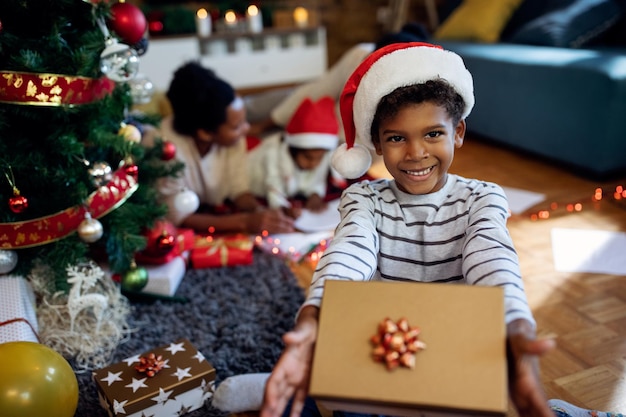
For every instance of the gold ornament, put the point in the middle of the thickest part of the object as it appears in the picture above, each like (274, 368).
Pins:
(130, 132)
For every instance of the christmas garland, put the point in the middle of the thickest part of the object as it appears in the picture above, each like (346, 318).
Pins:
(52, 89)
(47, 229)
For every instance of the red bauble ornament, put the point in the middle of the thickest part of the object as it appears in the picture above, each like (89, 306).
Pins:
(128, 22)
(169, 151)
(18, 203)
(160, 239)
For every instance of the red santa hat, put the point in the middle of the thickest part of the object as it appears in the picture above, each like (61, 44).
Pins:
(314, 125)
(384, 70)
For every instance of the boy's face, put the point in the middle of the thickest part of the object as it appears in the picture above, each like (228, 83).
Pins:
(417, 146)
(308, 159)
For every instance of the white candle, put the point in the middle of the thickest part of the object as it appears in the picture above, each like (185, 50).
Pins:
(301, 17)
(254, 18)
(203, 23)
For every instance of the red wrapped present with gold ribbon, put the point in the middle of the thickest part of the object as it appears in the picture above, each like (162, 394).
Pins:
(217, 251)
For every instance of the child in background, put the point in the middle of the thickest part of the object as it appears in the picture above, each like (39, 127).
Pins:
(409, 102)
(208, 127)
(293, 167)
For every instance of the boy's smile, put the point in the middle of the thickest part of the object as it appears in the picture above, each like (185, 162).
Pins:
(417, 145)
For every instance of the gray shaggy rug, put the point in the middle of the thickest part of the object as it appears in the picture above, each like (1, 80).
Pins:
(235, 316)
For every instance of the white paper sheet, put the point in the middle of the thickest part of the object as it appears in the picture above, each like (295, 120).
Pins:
(594, 251)
(522, 200)
(325, 220)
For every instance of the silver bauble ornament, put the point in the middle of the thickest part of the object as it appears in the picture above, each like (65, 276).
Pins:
(141, 89)
(101, 173)
(118, 61)
(90, 230)
(8, 261)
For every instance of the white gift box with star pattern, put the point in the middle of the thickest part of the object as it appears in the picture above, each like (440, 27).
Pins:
(184, 382)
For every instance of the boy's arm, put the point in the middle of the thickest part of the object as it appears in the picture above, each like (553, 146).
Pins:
(523, 351)
(290, 377)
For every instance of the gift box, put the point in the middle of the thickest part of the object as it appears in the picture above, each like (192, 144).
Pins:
(217, 251)
(184, 382)
(461, 371)
(18, 320)
(183, 242)
(164, 279)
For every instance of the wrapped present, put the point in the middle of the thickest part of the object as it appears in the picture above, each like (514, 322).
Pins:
(164, 279)
(167, 381)
(18, 320)
(183, 242)
(217, 251)
(446, 354)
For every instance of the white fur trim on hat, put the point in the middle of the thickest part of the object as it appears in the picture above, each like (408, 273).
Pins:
(353, 162)
(312, 140)
(404, 67)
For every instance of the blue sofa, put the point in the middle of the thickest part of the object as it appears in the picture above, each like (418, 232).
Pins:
(564, 104)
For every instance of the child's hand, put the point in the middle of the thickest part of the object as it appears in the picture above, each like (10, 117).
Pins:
(272, 221)
(294, 211)
(291, 374)
(523, 352)
(315, 203)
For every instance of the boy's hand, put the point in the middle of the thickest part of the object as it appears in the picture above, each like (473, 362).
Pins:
(290, 377)
(523, 352)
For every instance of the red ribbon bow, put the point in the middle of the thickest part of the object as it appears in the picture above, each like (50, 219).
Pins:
(396, 343)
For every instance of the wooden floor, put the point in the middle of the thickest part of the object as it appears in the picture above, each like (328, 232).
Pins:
(584, 312)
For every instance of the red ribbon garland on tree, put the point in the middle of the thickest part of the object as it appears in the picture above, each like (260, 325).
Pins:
(52, 89)
(44, 230)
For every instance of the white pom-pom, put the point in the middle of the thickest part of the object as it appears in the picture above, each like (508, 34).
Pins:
(351, 163)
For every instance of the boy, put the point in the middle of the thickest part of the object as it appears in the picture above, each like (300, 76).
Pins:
(208, 128)
(296, 165)
(409, 102)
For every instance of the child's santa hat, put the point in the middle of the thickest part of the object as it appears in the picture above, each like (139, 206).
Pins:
(314, 125)
(384, 70)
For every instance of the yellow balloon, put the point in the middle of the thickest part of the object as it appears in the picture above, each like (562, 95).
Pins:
(35, 381)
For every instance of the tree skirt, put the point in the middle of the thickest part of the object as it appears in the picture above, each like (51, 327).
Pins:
(235, 317)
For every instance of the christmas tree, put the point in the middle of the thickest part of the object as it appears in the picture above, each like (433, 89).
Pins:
(76, 181)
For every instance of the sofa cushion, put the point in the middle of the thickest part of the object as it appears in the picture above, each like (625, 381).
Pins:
(477, 20)
(572, 26)
(530, 10)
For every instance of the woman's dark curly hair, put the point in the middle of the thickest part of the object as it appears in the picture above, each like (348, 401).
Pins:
(199, 99)
(438, 92)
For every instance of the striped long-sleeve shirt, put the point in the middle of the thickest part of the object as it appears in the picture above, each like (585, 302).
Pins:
(456, 235)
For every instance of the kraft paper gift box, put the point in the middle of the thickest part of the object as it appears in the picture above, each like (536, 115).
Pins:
(462, 370)
(217, 251)
(184, 383)
(17, 311)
